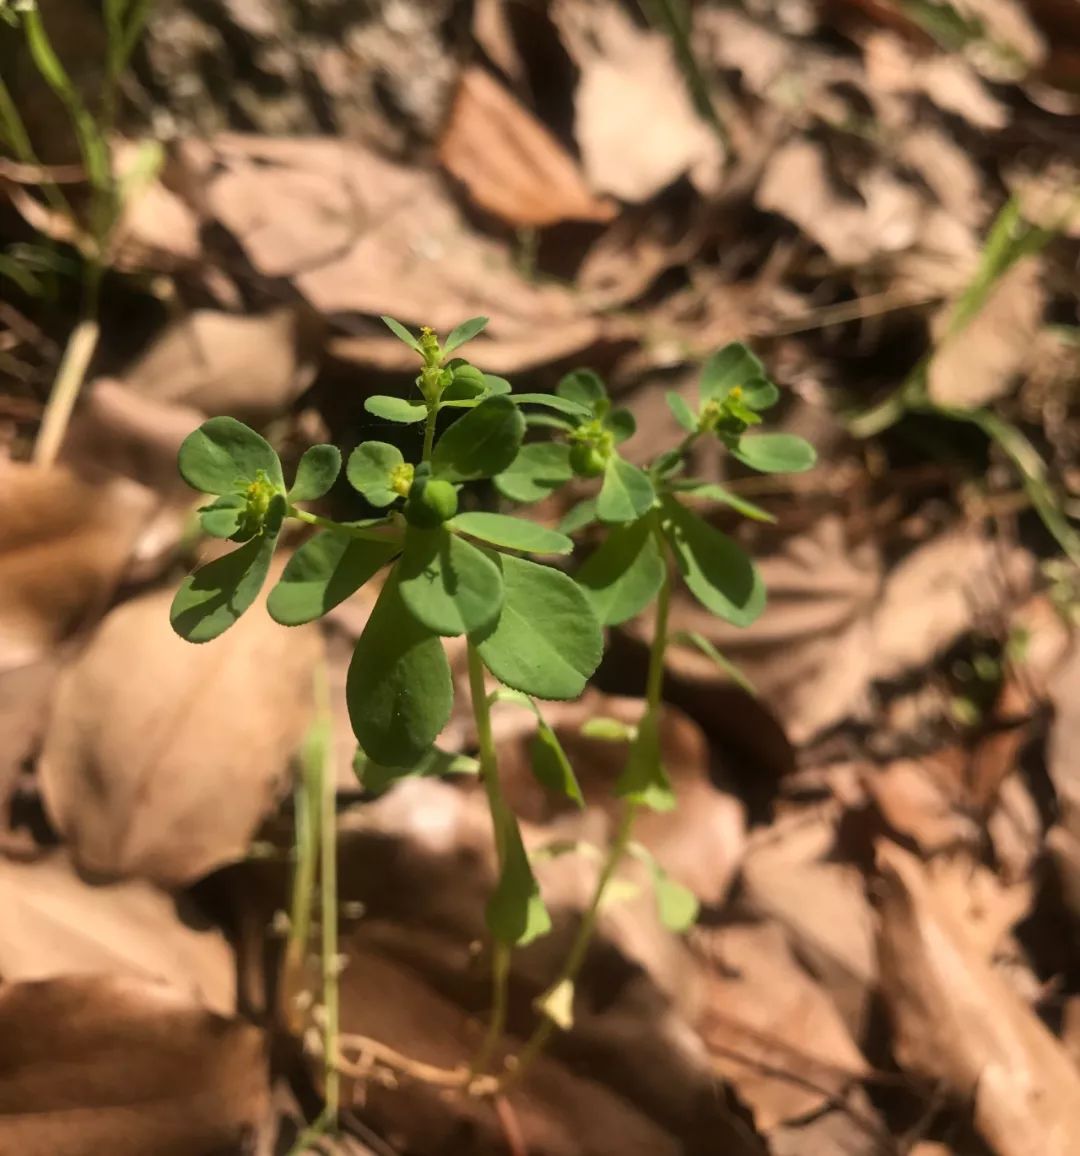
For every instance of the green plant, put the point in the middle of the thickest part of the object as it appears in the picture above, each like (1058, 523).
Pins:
(455, 569)
(91, 230)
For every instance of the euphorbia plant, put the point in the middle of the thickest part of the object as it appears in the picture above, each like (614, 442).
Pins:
(454, 569)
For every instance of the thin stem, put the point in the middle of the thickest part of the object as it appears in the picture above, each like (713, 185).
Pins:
(616, 851)
(305, 874)
(69, 380)
(429, 430)
(370, 533)
(489, 775)
(329, 908)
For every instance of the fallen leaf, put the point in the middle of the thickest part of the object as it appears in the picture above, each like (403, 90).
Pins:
(634, 123)
(162, 757)
(956, 1020)
(770, 1029)
(56, 925)
(979, 363)
(63, 547)
(25, 697)
(252, 367)
(511, 165)
(916, 804)
(96, 1064)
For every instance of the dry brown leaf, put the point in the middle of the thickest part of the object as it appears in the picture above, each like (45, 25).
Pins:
(979, 363)
(770, 1029)
(635, 124)
(63, 547)
(162, 757)
(25, 697)
(915, 804)
(55, 924)
(94, 1065)
(510, 163)
(956, 1020)
(1063, 753)
(251, 367)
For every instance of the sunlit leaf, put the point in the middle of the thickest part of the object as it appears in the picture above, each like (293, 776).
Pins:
(466, 331)
(732, 366)
(222, 518)
(398, 690)
(626, 493)
(693, 638)
(553, 401)
(371, 471)
(512, 533)
(684, 415)
(224, 456)
(711, 492)
(376, 778)
(775, 453)
(557, 1003)
(515, 913)
(401, 333)
(676, 905)
(395, 409)
(546, 641)
(644, 779)
(449, 585)
(316, 473)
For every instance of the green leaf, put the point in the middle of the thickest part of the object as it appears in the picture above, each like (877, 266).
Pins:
(693, 638)
(539, 468)
(316, 473)
(684, 415)
(515, 913)
(496, 385)
(401, 333)
(395, 409)
(584, 387)
(222, 517)
(224, 456)
(546, 641)
(326, 570)
(644, 779)
(399, 690)
(555, 402)
(448, 585)
(759, 394)
(728, 367)
(717, 570)
(512, 533)
(481, 444)
(213, 598)
(622, 577)
(774, 453)
(608, 730)
(676, 905)
(622, 424)
(551, 766)
(579, 516)
(466, 331)
(626, 493)
(370, 471)
(711, 492)
(376, 778)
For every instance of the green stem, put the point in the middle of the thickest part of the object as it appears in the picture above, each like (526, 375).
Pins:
(617, 850)
(429, 430)
(489, 775)
(370, 533)
(329, 911)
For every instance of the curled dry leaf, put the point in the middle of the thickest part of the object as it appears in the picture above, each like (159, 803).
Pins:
(63, 547)
(978, 363)
(770, 1029)
(106, 1064)
(150, 734)
(510, 163)
(956, 1020)
(634, 121)
(250, 367)
(55, 924)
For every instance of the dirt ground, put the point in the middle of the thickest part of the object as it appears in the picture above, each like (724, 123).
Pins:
(881, 198)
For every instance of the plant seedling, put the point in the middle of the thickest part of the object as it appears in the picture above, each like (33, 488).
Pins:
(452, 570)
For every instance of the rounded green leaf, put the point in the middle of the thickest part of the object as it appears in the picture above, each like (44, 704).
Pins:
(401, 333)
(684, 415)
(371, 471)
(717, 571)
(578, 516)
(395, 409)
(622, 424)
(398, 690)
(626, 494)
(224, 456)
(622, 577)
(466, 331)
(512, 533)
(775, 453)
(515, 913)
(554, 401)
(539, 468)
(584, 387)
(728, 367)
(222, 518)
(481, 444)
(326, 570)
(316, 473)
(546, 641)
(760, 394)
(213, 598)
(496, 385)
(448, 585)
